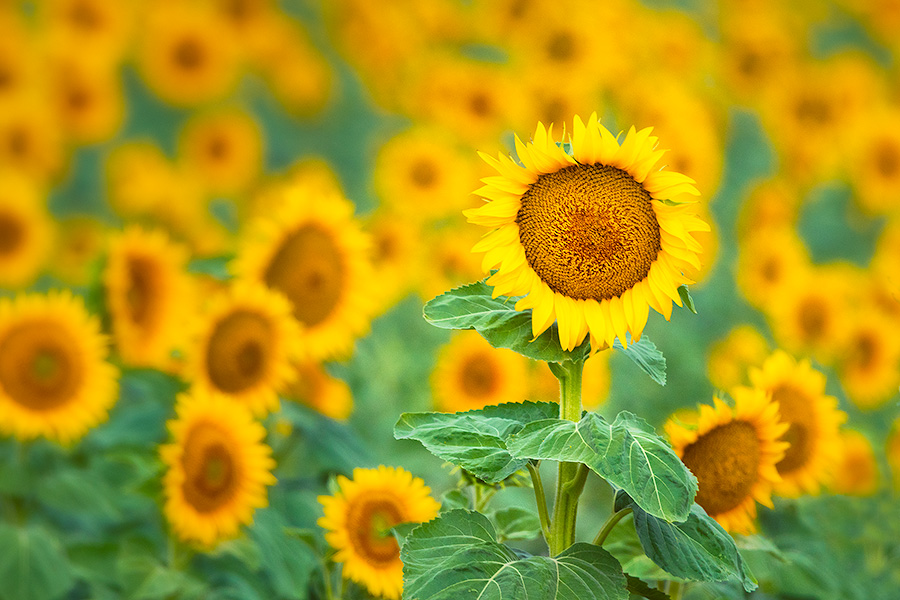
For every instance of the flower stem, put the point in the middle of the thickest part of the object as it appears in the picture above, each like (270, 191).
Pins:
(610, 523)
(570, 482)
(541, 499)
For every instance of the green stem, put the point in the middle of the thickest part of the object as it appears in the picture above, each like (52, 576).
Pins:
(541, 499)
(570, 482)
(610, 523)
(676, 589)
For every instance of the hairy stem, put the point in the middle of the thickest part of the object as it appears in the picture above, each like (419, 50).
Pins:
(541, 499)
(570, 481)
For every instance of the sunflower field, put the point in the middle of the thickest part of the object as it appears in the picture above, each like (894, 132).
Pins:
(449, 299)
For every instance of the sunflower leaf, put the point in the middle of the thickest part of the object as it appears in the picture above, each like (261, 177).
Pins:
(32, 564)
(628, 453)
(475, 440)
(685, 295)
(646, 355)
(516, 523)
(458, 556)
(696, 548)
(496, 319)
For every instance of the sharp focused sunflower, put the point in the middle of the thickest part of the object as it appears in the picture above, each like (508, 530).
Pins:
(470, 374)
(733, 453)
(148, 293)
(314, 252)
(813, 421)
(245, 344)
(54, 378)
(587, 236)
(358, 519)
(218, 469)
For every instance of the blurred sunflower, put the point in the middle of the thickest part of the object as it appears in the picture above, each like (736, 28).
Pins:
(218, 467)
(97, 28)
(80, 243)
(813, 421)
(134, 171)
(868, 362)
(18, 57)
(772, 204)
(246, 340)
(224, 148)
(733, 453)
(358, 519)
(54, 378)
(186, 54)
(149, 296)
(313, 251)
(769, 262)
(471, 374)
(449, 258)
(30, 140)
(587, 236)
(730, 357)
(26, 231)
(318, 390)
(89, 100)
(875, 163)
(856, 472)
(396, 255)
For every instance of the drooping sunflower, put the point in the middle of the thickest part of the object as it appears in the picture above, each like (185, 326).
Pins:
(733, 453)
(54, 378)
(218, 467)
(593, 238)
(245, 344)
(856, 472)
(470, 374)
(314, 252)
(358, 519)
(813, 422)
(149, 296)
(26, 230)
(315, 388)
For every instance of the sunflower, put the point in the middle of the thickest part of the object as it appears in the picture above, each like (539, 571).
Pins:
(54, 378)
(97, 28)
(813, 420)
(148, 294)
(218, 467)
(733, 453)
(868, 362)
(224, 149)
(30, 140)
(875, 163)
(470, 374)
(325, 394)
(396, 255)
(80, 243)
(245, 344)
(26, 231)
(729, 358)
(769, 261)
(358, 519)
(18, 56)
(856, 472)
(772, 204)
(314, 252)
(587, 236)
(89, 99)
(450, 263)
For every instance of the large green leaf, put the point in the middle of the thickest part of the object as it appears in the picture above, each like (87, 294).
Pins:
(475, 440)
(646, 355)
(696, 548)
(287, 561)
(457, 556)
(32, 565)
(516, 523)
(628, 453)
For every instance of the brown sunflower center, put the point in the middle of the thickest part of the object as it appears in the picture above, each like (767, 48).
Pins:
(794, 407)
(309, 270)
(142, 291)
(478, 376)
(210, 470)
(368, 523)
(84, 15)
(813, 319)
(726, 463)
(423, 173)
(887, 159)
(589, 231)
(12, 233)
(189, 54)
(19, 142)
(480, 104)
(40, 366)
(813, 110)
(237, 355)
(561, 47)
(864, 350)
(77, 98)
(217, 148)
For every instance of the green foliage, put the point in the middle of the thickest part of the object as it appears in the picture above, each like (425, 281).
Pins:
(213, 266)
(516, 523)
(475, 440)
(645, 355)
(696, 548)
(685, 294)
(457, 556)
(640, 588)
(33, 566)
(287, 561)
(628, 453)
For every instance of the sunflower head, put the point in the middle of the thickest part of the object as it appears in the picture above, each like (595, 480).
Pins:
(591, 238)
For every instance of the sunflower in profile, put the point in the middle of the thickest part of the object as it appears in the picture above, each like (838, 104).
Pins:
(593, 239)
(313, 251)
(359, 517)
(218, 467)
(245, 345)
(54, 378)
(148, 294)
(471, 374)
(733, 453)
(813, 421)
(26, 231)
(325, 394)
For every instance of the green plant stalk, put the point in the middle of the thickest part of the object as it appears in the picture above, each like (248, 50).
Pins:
(541, 499)
(610, 523)
(571, 477)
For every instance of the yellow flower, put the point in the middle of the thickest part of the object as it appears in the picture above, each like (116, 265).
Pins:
(325, 394)
(19, 57)
(397, 256)
(769, 262)
(245, 343)
(89, 99)
(314, 252)
(813, 420)
(470, 374)
(875, 163)
(856, 472)
(97, 28)
(772, 204)
(729, 358)
(80, 242)
(26, 230)
(218, 468)
(450, 263)
(733, 453)
(358, 519)
(868, 361)
(30, 140)
(54, 378)
(149, 296)
(587, 236)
